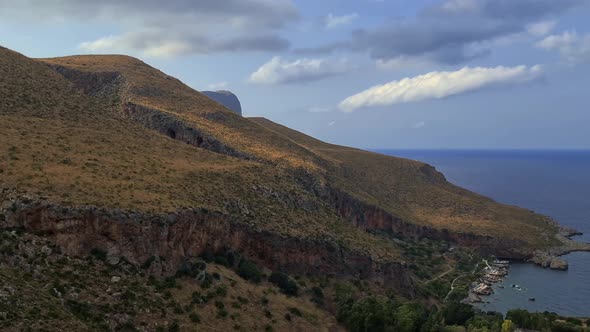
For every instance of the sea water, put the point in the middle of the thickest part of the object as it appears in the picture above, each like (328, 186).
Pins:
(554, 183)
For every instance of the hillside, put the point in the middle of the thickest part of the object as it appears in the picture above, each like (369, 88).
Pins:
(107, 154)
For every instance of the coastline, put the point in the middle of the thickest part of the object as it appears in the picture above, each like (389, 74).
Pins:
(494, 272)
(551, 258)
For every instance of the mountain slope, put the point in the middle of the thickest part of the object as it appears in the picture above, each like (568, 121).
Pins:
(416, 192)
(107, 152)
(70, 157)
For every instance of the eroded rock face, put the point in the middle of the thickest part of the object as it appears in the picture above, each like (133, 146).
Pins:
(225, 98)
(371, 218)
(175, 128)
(175, 237)
(548, 260)
(558, 264)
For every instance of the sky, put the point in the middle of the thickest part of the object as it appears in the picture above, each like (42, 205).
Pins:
(399, 74)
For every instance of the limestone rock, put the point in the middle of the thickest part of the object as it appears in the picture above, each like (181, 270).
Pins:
(46, 250)
(114, 260)
(558, 264)
(225, 98)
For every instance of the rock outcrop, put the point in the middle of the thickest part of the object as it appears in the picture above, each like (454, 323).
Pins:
(548, 260)
(137, 238)
(225, 98)
(551, 258)
(371, 218)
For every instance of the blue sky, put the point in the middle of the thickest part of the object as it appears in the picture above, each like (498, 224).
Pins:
(369, 73)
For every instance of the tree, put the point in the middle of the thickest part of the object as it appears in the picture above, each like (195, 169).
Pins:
(368, 314)
(457, 313)
(507, 326)
(410, 317)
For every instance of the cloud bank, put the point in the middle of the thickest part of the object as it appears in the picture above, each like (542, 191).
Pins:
(452, 32)
(279, 71)
(438, 84)
(572, 47)
(160, 44)
(170, 28)
(333, 21)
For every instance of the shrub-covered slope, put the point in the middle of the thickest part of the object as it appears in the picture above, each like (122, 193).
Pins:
(118, 143)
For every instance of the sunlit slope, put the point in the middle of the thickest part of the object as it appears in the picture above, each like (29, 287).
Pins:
(417, 193)
(409, 190)
(73, 149)
(147, 86)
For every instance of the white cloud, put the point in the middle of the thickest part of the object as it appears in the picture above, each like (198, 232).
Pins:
(169, 28)
(332, 21)
(123, 43)
(279, 71)
(542, 28)
(572, 47)
(331, 123)
(419, 125)
(156, 42)
(438, 84)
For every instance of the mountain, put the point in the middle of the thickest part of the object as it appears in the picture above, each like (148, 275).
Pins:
(225, 98)
(104, 156)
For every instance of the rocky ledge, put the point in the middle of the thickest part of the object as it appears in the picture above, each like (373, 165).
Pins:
(551, 258)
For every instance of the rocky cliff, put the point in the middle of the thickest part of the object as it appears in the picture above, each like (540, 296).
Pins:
(225, 98)
(116, 155)
(139, 237)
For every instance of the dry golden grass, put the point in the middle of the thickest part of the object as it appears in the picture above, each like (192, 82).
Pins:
(416, 193)
(72, 148)
(74, 151)
(252, 316)
(150, 87)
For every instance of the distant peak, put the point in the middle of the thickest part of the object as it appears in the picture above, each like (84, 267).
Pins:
(225, 98)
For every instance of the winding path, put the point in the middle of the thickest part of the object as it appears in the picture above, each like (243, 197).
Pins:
(451, 269)
(463, 275)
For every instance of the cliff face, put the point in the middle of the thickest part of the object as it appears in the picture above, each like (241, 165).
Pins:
(371, 218)
(225, 98)
(174, 238)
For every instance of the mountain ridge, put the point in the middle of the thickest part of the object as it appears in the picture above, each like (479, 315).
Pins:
(262, 175)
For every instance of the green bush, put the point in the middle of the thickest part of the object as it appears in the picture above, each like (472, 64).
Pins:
(367, 314)
(287, 285)
(249, 271)
(456, 313)
(295, 311)
(409, 317)
(174, 327)
(99, 254)
(194, 317)
(533, 321)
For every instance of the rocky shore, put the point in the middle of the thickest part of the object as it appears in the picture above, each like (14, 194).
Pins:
(551, 258)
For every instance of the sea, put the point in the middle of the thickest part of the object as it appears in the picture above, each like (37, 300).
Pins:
(553, 183)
